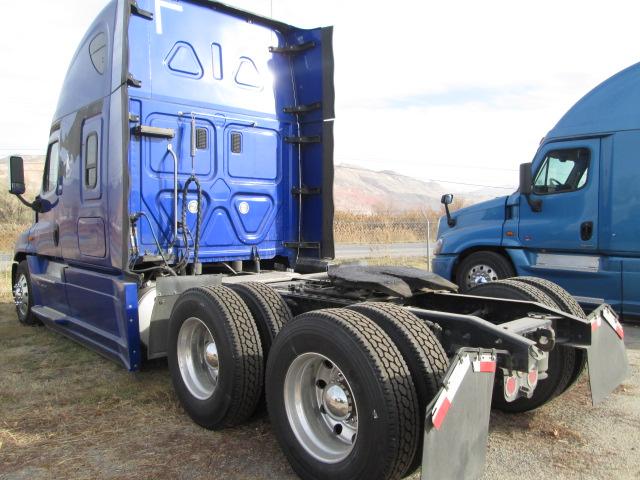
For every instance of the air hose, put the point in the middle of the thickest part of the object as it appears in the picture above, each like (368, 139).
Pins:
(197, 267)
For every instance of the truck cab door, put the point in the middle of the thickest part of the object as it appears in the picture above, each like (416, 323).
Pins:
(562, 236)
(46, 231)
(565, 187)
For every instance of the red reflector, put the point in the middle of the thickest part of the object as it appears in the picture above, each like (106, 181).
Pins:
(510, 386)
(532, 378)
(487, 367)
(612, 319)
(438, 418)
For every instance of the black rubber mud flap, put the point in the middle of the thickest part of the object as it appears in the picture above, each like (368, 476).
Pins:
(457, 423)
(607, 356)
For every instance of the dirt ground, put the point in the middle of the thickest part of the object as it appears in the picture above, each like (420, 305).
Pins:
(66, 412)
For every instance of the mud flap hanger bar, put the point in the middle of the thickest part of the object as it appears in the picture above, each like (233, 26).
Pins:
(568, 328)
(457, 419)
(461, 330)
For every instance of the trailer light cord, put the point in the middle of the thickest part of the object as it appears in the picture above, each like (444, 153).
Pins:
(196, 240)
(134, 218)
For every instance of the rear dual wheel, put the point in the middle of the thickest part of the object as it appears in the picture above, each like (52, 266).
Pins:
(425, 358)
(567, 304)
(218, 341)
(341, 398)
(564, 365)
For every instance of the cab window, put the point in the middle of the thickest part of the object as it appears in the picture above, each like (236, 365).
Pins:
(52, 164)
(91, 161)
(562, 171)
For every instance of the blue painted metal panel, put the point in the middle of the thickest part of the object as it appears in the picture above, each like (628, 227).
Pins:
(238, 212)
(606, 283)
(102, 314)
(48, 283)
(631, 287)
(84, 83)
(620, 196)
(232, 88)
(611, 106)
(443, 265)
(557, 226)
(479, 224)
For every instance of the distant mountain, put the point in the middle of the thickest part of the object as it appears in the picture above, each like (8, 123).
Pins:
(356, 189)
(360, 190)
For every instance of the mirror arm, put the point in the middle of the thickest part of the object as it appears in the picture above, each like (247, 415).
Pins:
(35, 205)
(450, 220)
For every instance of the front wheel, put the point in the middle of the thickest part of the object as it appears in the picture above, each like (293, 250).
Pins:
(482, 267)
(22, 295)
(341, 399)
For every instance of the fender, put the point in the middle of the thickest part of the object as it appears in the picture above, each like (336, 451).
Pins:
(477, 225)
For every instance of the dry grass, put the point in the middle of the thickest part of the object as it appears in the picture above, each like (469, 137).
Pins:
(66, 412)
(10, 232)
(384, 227)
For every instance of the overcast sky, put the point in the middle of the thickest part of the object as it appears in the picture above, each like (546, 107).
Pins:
(447, 90)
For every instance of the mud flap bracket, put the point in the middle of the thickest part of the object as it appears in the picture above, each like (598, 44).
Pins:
(457, 421)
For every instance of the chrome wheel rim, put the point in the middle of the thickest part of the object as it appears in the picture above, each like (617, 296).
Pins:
(198, 358)
(321, 407)
(479, 274)
(21, 294)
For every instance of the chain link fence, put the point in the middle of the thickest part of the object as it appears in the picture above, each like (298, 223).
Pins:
(386, 240)
(356, 239)
(385, 231)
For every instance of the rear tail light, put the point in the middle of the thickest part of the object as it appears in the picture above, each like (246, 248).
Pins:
(510, 387)
(519, 384)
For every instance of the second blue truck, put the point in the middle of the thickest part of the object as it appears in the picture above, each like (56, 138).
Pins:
(573, 220)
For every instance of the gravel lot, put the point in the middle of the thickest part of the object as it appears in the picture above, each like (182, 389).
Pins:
(66, 412)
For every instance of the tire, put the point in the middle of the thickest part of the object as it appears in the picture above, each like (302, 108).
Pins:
(420, 349)
(486, 266)
(268, 309)
(222, 314)
(22, 287)
(561, 360)
(375, 380)
(567, 304)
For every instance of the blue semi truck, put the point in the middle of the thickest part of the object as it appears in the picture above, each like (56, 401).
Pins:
(573, 219)
(186, 212)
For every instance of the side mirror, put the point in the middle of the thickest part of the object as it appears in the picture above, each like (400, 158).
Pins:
(526, 178)
(526, 187)
(446, 200)
(16, 176)
(16, 182)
